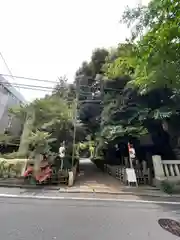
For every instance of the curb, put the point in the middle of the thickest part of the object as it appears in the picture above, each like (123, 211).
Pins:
(88, 199)
(22, 186)
(62, 190)
(121, 193)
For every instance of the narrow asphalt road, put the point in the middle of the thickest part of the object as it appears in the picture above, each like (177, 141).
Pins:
(32, 219)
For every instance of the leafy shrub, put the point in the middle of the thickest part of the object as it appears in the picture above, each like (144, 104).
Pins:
(14, 155)
(9, 168)
(2, 168)
(168, 187)
(17, 168)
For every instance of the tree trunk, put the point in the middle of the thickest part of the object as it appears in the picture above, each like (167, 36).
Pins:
(24, 143)
(37, 162)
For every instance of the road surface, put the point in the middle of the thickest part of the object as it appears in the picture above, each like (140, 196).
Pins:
(38, 219)
(93, 179)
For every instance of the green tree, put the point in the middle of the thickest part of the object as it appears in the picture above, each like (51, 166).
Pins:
(158, 49)
(51, 116)
(89, 90)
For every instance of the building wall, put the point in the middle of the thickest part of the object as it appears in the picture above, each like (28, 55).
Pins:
(9, 98)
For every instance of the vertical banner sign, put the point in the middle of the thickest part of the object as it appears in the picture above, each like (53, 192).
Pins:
(130, 175)
(132, 154)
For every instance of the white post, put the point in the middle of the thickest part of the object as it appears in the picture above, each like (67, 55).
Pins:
(158, 167)
(70, 179)
(24, 165)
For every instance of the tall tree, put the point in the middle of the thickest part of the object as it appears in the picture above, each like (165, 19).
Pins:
(89, 90)
(158, 49)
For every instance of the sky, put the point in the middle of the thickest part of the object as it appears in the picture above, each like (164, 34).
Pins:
(46, 39)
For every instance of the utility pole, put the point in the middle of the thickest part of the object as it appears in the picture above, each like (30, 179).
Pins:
(99, 78)
(75, 117)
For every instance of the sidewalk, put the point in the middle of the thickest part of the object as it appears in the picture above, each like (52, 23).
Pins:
(91, 180)
(94, 180)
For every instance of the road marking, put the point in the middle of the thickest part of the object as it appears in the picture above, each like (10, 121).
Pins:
(84, 198)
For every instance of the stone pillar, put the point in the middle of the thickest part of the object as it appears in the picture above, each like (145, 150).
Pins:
(158, 168)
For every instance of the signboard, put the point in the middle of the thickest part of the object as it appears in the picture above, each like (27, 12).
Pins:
(130, 176)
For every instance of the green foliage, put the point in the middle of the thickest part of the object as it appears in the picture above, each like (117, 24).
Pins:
(49, 121)
(40, 141)
(151, 60)
(14, 155)
(64, 90)
(170, 187)
(158, 50)
(89, 111)
(19, 112)
(140, 85)
(144, 73)
(83, 146)
(93, 67)
(123, 62)
(9, 169)
(51, 109)
(112, 132)
(5, 139)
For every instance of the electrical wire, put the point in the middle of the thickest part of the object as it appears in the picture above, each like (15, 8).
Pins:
(38, 80)
(26, 85)
(54, 82)
(46, 89)
(6, 65)
(38, 88)
(28, 78)
(10, 73)
(31, 87)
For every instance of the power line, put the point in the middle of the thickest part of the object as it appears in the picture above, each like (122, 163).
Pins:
(33, 87)
(25, 85)
(6, 64)
(54, 82)
(10, 73)
(38, 80)
(48, 88)
(28, 86)
(29, 78)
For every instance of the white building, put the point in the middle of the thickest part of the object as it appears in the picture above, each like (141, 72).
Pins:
(9, 97)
